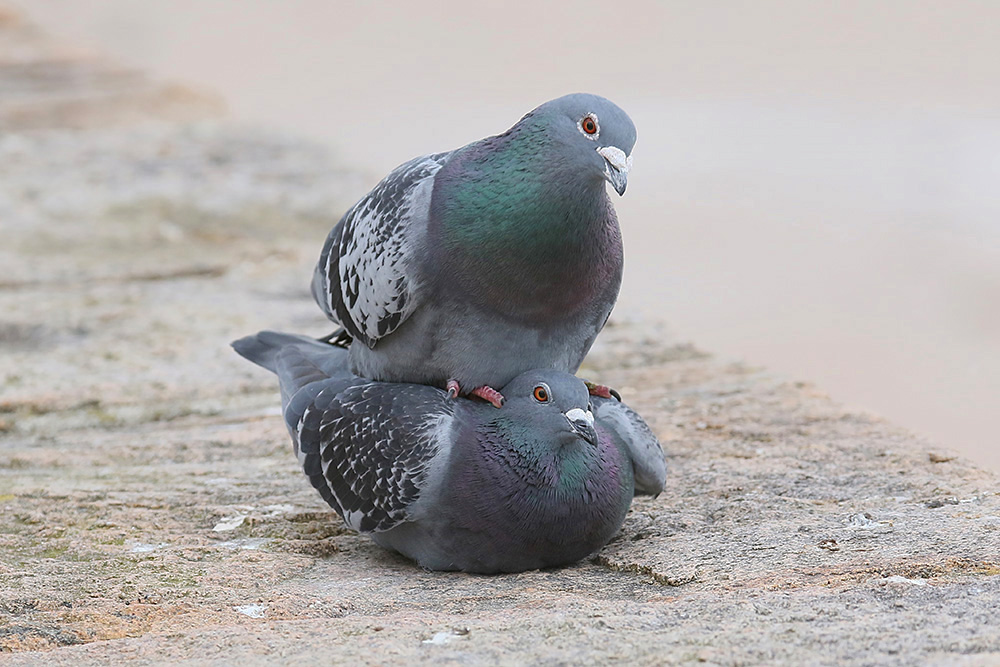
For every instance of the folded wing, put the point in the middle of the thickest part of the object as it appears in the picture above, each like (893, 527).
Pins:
(623, 423)
(367, 448)
(366, 279)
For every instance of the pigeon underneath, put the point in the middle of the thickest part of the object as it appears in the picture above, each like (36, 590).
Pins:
(455, 484)
(464, 269)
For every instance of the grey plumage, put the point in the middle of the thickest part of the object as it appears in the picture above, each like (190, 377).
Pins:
(456, 484)
(644, 448)
(364, 278)
(486, 261)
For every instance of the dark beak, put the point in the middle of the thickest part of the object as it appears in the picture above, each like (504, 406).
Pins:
(617, 178)
(616, 167)
(583, 424)
(587, 432)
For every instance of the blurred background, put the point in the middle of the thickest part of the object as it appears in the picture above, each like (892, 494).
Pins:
(816, 185)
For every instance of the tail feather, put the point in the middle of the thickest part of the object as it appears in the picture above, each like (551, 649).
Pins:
(262, 348)
(296, 360)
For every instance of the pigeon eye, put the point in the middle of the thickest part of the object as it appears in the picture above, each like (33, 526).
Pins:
(588, 125)
(541, 393)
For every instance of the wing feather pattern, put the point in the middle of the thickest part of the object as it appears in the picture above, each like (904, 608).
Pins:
(365, 279)
(367, 448)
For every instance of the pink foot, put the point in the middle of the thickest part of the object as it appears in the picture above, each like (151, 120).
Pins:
(490, 395)
(602, 390)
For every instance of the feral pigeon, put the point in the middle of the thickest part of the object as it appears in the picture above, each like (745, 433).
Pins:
(455, 484)
(467, 268)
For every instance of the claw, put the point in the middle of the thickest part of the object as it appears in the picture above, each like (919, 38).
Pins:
(490, 395)
(339, 338)
(602, 390)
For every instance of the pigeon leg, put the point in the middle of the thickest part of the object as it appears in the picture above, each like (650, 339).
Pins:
(602, 390)
(490, 395)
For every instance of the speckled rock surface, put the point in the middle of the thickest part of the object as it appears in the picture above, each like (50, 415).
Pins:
(151, 509)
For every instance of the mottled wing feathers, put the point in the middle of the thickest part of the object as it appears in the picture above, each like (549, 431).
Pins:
(365, 279)
(367, 447)
(631, 431)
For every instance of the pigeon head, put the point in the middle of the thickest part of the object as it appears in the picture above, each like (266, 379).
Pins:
(555, 402)
(596, 135)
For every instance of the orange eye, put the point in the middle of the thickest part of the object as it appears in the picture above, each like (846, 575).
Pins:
(589, 125)
(541, 393)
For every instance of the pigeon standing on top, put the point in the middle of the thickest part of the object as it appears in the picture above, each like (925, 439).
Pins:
(464, 269)
(455, 484)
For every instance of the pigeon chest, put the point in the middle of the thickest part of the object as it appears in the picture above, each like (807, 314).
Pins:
(534, 273)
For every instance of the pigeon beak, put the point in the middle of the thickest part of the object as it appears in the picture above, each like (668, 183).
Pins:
(616, 167)
(582, 422)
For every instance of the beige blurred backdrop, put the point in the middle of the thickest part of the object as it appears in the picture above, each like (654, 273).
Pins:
(816, 185)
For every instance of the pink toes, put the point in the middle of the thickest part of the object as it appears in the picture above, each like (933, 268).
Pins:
(490, 395)
(602, 390)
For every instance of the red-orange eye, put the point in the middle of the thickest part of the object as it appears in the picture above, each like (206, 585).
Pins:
(589, 125)
(541, 393)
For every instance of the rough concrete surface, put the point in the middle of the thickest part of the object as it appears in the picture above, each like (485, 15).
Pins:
(151, 509)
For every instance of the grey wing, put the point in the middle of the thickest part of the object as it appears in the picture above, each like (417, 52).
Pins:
(366, 279)
(622, 422)
(367, 448)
